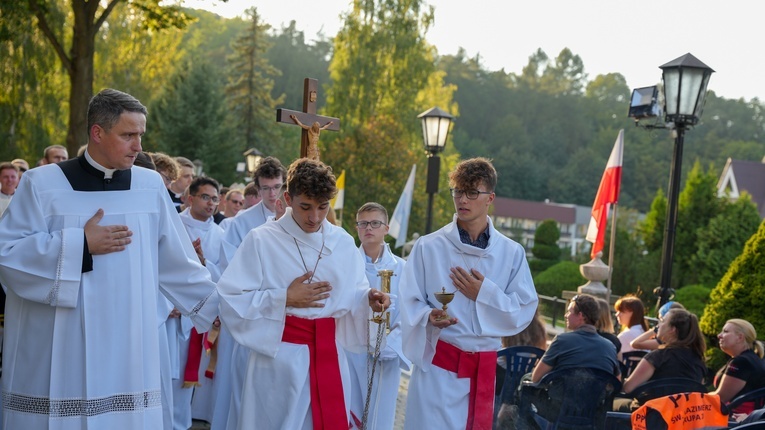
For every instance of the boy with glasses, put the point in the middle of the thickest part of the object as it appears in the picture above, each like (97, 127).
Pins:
(372, 226)
(452, 384)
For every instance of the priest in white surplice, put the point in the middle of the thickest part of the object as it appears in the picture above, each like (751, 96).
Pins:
(452, 384)
(81, 347)
(296, 295)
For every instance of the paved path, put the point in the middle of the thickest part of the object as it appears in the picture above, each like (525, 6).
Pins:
(400, 407)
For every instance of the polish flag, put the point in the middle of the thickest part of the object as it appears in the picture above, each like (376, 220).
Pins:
(608, 194)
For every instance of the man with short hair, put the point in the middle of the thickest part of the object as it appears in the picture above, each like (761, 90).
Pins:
(180, 183)
(9, 180)
(251, 195)
(455, 355)
(372, 227)
(207, 239)
(294, 292)
(581, 346)
(83, 288)
(54, 154)
(234, 202)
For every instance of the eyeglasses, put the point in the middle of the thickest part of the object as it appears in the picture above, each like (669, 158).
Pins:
(267, 190)
(374, 224)
(471, 194)
(206, 198)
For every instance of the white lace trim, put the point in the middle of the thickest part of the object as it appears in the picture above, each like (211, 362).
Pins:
(52, 298)
(62, 408)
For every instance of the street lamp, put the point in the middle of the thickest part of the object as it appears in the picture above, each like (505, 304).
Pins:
(435, 128)
(685, 82)
(252, 157)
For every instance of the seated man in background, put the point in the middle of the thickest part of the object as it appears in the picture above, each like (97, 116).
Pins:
(580, 347)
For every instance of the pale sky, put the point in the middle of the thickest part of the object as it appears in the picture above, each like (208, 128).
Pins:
(629, 37)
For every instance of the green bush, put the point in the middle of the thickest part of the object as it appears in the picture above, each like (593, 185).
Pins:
(741, 292)
(694, 298)
(562, 276)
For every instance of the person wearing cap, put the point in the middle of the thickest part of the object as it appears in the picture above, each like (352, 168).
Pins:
(649, 340)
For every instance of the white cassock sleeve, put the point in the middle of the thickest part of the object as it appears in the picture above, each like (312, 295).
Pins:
(182, 278)
(253, 313)
(39, 265)
(505, 310)
(419, 338)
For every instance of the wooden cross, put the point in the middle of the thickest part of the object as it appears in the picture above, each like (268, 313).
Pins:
(308, 116)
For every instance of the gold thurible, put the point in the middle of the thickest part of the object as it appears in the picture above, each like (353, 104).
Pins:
(385, 276)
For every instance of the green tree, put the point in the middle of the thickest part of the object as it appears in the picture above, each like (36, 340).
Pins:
(741, 292)
(723, 239)
(561, 276)
(189, 120)
(383, 75)
(697, 205)
(546, 250)
(652, 228)
(250, 85)
(85, 22)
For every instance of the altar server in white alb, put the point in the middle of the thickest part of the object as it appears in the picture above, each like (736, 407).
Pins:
(269, 178)
(296, 295)
(206, 237)
(452, 384)
(372, 225)
(84, 246)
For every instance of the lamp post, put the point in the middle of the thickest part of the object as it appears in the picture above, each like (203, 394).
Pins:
(252, 158)
(685, 82)
(435, 128)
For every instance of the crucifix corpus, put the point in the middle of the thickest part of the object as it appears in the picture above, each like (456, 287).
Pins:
(311, 123)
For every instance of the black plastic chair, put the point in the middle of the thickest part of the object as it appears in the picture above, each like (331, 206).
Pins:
(575, 398)
(618, 421)
(750, 426)
(630, 361)
(664, 387)
(757, 396)
(517, 361)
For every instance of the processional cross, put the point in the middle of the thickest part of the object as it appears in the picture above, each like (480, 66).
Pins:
(311, 123)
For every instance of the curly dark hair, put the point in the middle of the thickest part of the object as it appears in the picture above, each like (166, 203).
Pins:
(470, 174)
(269, 168)
(312, 179)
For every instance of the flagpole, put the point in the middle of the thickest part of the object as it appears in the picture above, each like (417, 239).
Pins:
(611, 254)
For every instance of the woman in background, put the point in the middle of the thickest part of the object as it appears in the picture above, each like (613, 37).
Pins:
(631, 316)
(745, 371)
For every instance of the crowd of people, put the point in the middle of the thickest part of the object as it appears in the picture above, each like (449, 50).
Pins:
(141, 296)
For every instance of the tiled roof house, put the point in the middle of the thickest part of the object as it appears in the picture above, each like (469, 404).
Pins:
(739, 176)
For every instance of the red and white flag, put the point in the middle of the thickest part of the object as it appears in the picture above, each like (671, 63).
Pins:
(608, 194)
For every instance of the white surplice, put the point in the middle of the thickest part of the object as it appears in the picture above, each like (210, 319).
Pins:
(387, 377)
(253, 307)
(232, 358)
(505, 305)
(211, 237)
(82, 349)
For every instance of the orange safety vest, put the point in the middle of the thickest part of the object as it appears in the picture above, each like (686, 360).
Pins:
(683, 411)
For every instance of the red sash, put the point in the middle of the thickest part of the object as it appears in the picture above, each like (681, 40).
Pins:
(481, 368)
(327, 399)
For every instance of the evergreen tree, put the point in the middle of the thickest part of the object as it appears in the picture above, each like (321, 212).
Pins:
(546, 250)
(723, 239)
(249, 88)
(189, 119)
(697, 205)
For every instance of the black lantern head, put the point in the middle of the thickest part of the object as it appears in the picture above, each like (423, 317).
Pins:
(435, 128)
(685, 88)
